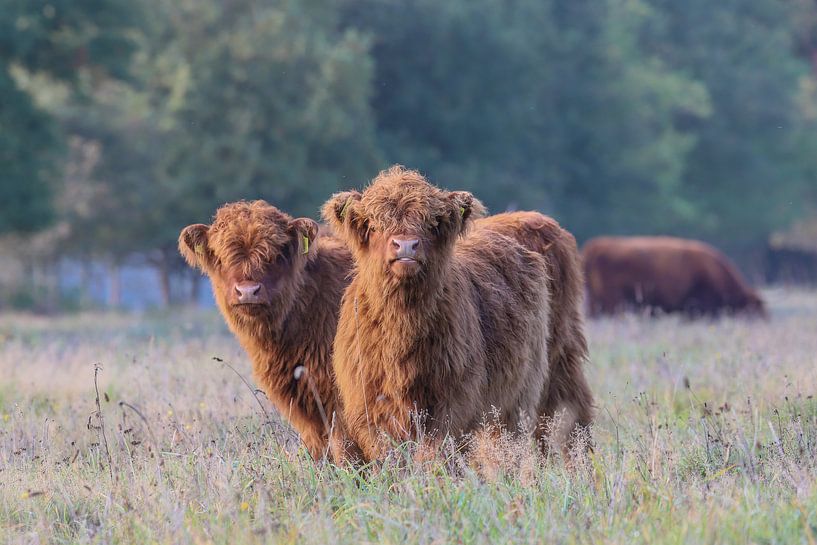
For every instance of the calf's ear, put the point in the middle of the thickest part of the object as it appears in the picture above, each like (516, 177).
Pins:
(341, 212)
(466, 208)
(336, 210)
(193, 246)
(304, 231)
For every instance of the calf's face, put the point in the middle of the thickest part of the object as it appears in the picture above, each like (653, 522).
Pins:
(254, 255)
(401, 228)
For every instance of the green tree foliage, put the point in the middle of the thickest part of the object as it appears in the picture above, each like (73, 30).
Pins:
(27, 145)
(60, 37)
(620, 150)
(275, 105)
(68, 40)
(541, 104)
(617, 116)
(803, 21)
(223, 101)
(747, 171)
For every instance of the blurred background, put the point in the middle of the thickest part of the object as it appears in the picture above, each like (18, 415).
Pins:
(122, 121)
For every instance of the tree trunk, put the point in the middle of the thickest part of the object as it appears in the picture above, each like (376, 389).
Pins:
(164, 280)
(195, 285)
(85, 278)
(52, 287)
(115, 291)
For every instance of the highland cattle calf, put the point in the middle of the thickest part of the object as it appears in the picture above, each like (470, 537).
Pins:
(278, 285)
(567, 345)
(435, 322)
(664, 274)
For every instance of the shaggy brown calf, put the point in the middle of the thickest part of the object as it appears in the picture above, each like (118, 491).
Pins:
(664, 273)
(434, 322)
(567, 345)
(278, 284)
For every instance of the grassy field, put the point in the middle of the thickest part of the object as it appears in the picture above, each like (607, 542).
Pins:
(706, 433)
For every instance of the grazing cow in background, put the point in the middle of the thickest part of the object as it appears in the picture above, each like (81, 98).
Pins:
(435, 322)
(666, 274)
(278, 284)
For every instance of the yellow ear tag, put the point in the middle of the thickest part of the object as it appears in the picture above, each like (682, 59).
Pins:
(345, 207)
(462, 211)
(199, 248)
(306, 244)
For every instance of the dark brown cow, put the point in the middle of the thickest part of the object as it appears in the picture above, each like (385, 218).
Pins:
(278, 284)
(665, 274)
(435, 321)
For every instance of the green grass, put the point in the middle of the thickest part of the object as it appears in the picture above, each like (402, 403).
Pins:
(706, 433)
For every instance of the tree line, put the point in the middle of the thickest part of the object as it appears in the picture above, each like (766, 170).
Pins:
(121, 121)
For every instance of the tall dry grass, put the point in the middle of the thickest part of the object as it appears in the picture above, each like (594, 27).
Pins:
(706, 433)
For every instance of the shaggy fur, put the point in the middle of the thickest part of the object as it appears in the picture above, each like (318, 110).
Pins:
(666, 274)
(457, 332)
(568, 390)
(302, 275)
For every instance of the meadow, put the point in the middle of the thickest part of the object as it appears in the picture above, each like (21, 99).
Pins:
(706, 433)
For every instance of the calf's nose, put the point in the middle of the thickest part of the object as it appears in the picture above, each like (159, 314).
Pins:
(248, 292)
(405, 247)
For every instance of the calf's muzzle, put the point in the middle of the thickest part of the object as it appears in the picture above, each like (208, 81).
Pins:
(248, 292)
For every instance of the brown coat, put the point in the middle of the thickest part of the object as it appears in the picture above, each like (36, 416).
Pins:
(434, 322)
(278, 284)
(567, 345)
(666, 274)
